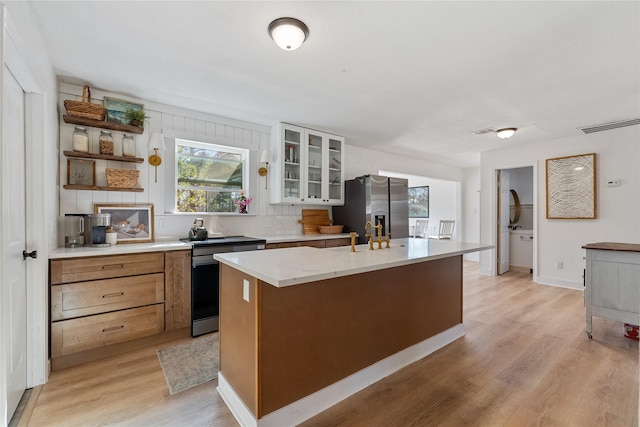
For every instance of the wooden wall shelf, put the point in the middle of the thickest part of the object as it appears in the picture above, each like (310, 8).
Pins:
(96, 188)
(102, 124)
(83, 155)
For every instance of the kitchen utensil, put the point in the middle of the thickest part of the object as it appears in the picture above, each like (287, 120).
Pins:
(198, 231)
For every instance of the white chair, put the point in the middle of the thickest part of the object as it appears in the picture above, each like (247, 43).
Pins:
(420, 229)
(446, 229)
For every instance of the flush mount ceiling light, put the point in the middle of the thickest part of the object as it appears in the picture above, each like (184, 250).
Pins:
(506, 132)
(288, 33)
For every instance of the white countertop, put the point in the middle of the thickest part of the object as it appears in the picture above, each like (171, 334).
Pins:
(293, 266)
(118, 249)
(172, 245)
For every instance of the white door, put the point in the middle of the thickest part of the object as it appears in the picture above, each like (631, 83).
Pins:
(13, 276)
(503, 221)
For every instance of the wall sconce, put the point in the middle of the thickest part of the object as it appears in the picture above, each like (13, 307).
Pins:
(263, 171)
(506, 132)
(156, 142)
(288, 33)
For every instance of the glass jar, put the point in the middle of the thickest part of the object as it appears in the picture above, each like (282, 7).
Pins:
(80, 139)
(106, 142)
(128, 145)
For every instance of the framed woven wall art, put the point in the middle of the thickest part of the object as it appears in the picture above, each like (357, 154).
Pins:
(571, 187)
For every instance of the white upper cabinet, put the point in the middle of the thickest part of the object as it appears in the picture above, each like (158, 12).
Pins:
(308, 166)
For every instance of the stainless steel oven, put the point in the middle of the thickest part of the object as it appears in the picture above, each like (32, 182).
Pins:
(205, 278)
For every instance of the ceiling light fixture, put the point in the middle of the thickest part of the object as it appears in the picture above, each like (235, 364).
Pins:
(288, 33)
(506, 132)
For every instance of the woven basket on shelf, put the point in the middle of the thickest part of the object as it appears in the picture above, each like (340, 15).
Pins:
(122, 178)
(85, 108)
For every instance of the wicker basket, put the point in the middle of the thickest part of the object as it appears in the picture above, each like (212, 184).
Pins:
(330, 229)
(85, 108)
(122, 178)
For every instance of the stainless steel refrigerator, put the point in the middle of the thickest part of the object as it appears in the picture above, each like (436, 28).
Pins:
(374, 198)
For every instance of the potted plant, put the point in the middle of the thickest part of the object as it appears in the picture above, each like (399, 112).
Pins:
(135, 117)
(243, 203)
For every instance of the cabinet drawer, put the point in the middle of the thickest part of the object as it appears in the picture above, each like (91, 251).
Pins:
(101, 296)
(74, 335)
(334, 243)
(313, 243)
(105, 267)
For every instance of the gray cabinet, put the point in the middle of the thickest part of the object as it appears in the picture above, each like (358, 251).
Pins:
(612, 283)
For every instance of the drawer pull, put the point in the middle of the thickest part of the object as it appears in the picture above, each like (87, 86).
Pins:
(112, 266)
(113, 328)
(116, 294)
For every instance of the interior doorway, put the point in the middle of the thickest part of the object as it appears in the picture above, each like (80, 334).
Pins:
(516, 219)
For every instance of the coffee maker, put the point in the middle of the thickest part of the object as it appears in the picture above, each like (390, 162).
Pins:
(95, 229)
(73, 230)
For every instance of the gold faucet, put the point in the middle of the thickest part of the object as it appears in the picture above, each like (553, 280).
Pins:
(366, 226)
(353, 236)
(379, 241)
(372, 234)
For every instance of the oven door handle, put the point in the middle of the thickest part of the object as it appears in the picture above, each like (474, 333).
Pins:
(198, 261)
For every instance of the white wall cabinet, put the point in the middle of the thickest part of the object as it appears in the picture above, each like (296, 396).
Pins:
(307, 166)
(612, 283)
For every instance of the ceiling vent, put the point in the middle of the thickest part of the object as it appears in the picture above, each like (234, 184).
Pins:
(609, 126)
(483, 131)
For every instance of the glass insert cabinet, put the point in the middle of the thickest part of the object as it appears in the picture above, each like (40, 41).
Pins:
(308, 166)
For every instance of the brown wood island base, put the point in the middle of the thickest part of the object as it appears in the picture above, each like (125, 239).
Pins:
(287, 343)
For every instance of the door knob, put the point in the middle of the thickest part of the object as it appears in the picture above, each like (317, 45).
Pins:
(32, 254)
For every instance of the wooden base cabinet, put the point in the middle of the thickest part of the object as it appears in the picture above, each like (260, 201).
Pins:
(86, 333)
(326, 243)
(178, 289)
(100, 301)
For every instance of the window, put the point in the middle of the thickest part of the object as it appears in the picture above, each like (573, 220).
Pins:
(209, 177)
(419, 202)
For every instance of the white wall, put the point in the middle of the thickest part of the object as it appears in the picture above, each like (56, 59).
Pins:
(471, 209)
(444, 200)
(361, 161)
(618, 156)
(264, 219)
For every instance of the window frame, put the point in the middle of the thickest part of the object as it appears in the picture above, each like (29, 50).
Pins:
(171, 189)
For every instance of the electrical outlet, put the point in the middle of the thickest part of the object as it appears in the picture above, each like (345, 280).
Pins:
(162, 224)
(559, 265)
(245, 290)
(269, 222)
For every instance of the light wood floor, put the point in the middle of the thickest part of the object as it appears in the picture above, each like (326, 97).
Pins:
(524, 361)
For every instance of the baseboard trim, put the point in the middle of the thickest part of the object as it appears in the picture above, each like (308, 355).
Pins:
(309, 406)
(560, 283)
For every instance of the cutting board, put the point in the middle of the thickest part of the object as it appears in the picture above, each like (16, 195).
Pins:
(312, 218)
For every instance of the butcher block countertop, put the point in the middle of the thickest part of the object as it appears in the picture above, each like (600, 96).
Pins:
(293, 266)
(612, 246)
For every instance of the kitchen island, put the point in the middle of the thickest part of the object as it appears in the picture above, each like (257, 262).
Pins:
(303, 328)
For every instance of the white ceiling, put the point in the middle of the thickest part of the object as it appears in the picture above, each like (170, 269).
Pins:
(401, 77)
